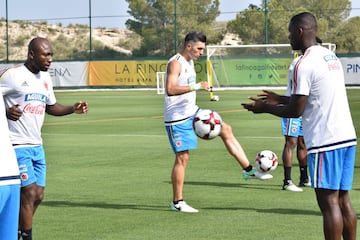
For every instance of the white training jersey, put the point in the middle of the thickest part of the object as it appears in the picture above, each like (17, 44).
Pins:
(327, 120)
(180, 107)
(291, 77)
(33, 92)
(9, 169)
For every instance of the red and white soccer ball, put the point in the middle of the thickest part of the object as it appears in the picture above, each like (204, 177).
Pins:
(207, 124)
(266, 161)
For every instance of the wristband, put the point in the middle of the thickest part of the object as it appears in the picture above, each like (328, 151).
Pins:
(196, 86)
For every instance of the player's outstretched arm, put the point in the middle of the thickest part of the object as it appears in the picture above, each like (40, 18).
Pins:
(273, 98)
(60, 110)
(293, 109)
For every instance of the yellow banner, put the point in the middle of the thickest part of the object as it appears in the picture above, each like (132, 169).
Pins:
(125, 73)
(132, 72)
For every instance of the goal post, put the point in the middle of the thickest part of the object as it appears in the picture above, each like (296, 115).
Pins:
(210, 78)
(160, 82)
(254, 65)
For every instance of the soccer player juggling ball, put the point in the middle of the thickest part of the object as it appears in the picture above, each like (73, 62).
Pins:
(179, 110)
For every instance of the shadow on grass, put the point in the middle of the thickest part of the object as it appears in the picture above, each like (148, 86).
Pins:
(284, 211)
(104, 205)
(260, 185)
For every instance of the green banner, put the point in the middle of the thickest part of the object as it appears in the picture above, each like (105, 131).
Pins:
(250, 71)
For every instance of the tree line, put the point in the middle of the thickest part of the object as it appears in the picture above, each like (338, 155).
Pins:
(162, 25)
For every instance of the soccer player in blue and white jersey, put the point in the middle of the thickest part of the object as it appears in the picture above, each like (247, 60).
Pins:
(292, 130)
(320, 98)
(9, 182)
(179, 110)
(28, 95)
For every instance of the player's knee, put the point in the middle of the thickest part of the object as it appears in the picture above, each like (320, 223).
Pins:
(28, 194)
(226, 130)
(182, 158)
(327, 199)
(40, 196)
(32, 194)
(290, 144)
(38, 201)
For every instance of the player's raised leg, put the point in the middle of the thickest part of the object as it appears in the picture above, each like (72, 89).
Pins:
(235, 149)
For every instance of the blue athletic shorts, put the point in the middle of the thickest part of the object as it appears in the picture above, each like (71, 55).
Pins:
(182, 136)
(332, 169)
(32, 165)
(292, 127)
(9, 211)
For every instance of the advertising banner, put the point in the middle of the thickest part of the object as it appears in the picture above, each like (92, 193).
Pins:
(351, 68)
(69, 74)
(4, 67)
(250, 71)
(125, 73)
(226, 72)
(132, 73)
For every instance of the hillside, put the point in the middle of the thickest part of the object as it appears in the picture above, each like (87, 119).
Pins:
(72, 42)
(66, 40)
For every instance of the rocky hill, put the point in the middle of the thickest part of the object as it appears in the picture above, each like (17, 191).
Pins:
(72, 42)
(64, 39)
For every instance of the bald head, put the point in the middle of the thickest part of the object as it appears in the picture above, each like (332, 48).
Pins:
(40, 55)
(302, 31)
(304, 20)
(36, 42)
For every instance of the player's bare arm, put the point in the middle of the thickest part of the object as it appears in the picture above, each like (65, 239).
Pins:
(172, 87)
(61, 110)
(273, 98)
(293, 109)
(13, 113)
(173, 72)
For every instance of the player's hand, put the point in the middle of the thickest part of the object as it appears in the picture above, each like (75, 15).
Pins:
(269, 97)
(205, 85)
(14, 113)
(81, 107)
(257, 106)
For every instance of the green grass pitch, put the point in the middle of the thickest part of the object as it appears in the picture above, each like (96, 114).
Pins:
(108, 175)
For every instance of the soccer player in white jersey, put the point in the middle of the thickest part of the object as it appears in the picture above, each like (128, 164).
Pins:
(320, 98)
(179, 110)
(292, 130)
(9, 182)
(28, 95)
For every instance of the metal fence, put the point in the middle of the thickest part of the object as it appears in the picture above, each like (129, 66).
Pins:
(22, 20)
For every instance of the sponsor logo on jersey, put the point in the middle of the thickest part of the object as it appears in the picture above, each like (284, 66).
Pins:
(35, 109)
(24, 84)
(330, 57)
(36, 97)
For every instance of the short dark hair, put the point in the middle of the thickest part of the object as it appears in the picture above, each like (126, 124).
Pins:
(305, 20)
(195, 37)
